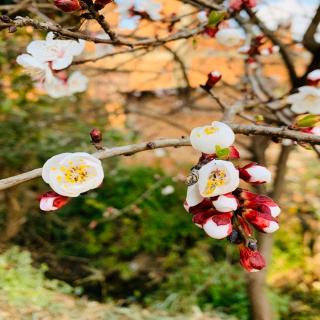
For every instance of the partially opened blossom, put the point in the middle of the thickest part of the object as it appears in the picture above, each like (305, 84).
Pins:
(225, 203)
(218, 177)
(52, 201)
(70, 174)
(59, 53)
(307, 100)
(229, 37)
(262, 221)
(255, 174)
(251, 260)
(57, 88)
(131, 11)
(207, 138)
(219, 226)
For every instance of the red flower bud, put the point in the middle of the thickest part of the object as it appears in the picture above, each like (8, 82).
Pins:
(237, 5)
(213, 78)
(200, 218)
(100, 4)
(68, 5)
(52, 201)
(204, 205)
(96, 136)
(312, 130)
(210, 31)
(251, 260)
(262, 221)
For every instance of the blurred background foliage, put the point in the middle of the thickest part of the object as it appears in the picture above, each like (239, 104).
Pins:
(128, 245)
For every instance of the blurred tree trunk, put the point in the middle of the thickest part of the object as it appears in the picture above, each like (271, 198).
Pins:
(257, 287)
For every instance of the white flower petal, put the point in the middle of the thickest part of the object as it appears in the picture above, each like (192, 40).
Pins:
(193, 195)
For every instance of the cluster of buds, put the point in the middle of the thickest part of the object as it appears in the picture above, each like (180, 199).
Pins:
(75, 5)
(255, 49)
(237, 5)
(218, 205)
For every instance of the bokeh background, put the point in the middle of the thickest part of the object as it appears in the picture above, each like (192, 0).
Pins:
(128, 250)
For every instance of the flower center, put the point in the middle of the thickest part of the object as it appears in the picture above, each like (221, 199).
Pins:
(311, 98)
(217, 178)
(75, 174)
(210, 130)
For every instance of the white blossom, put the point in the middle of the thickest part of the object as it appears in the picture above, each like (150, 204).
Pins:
(129, 21)
(218, 177)
(207, 138)
(226, 203)
(307, 100)
(229, 37)
(59, 53)
(70, 174)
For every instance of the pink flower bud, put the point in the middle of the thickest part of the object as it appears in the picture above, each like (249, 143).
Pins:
(96, 136)
(226, 203)
(213, 78)
(251, 260)
(245, 226)
(262, 221)
(52, 201)
(255, 174)
(68, 5)
(218, 226)
(234, 153)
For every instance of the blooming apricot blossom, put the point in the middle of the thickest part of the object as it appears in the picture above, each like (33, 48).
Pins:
(70, 174)
(307, 100)
(207, 138)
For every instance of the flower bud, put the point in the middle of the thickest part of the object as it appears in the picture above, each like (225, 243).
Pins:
(52, 201)
(213, 78)
(96, 136)
(218, 226)
(262, 221)
(68, 5)
(255, 174)
(312, 130)
(200, 218)
(313, 78)
(204, 205)
(259, 203)
(251, 260)
(210, 32)
(226, 203)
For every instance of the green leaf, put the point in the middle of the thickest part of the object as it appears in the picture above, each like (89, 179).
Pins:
(222, 153)
(215, 17)
(308, 121)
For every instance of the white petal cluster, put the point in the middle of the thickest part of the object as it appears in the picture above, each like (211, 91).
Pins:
(229, 37)
(46, 58)
(70, 174)
(129, 21)
(206, 139)
(307, 100)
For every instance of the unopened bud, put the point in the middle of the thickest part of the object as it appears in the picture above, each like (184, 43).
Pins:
(100, 4)
(68, 5)
(96, 136)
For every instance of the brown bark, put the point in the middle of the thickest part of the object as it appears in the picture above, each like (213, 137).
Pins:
(261, 308)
